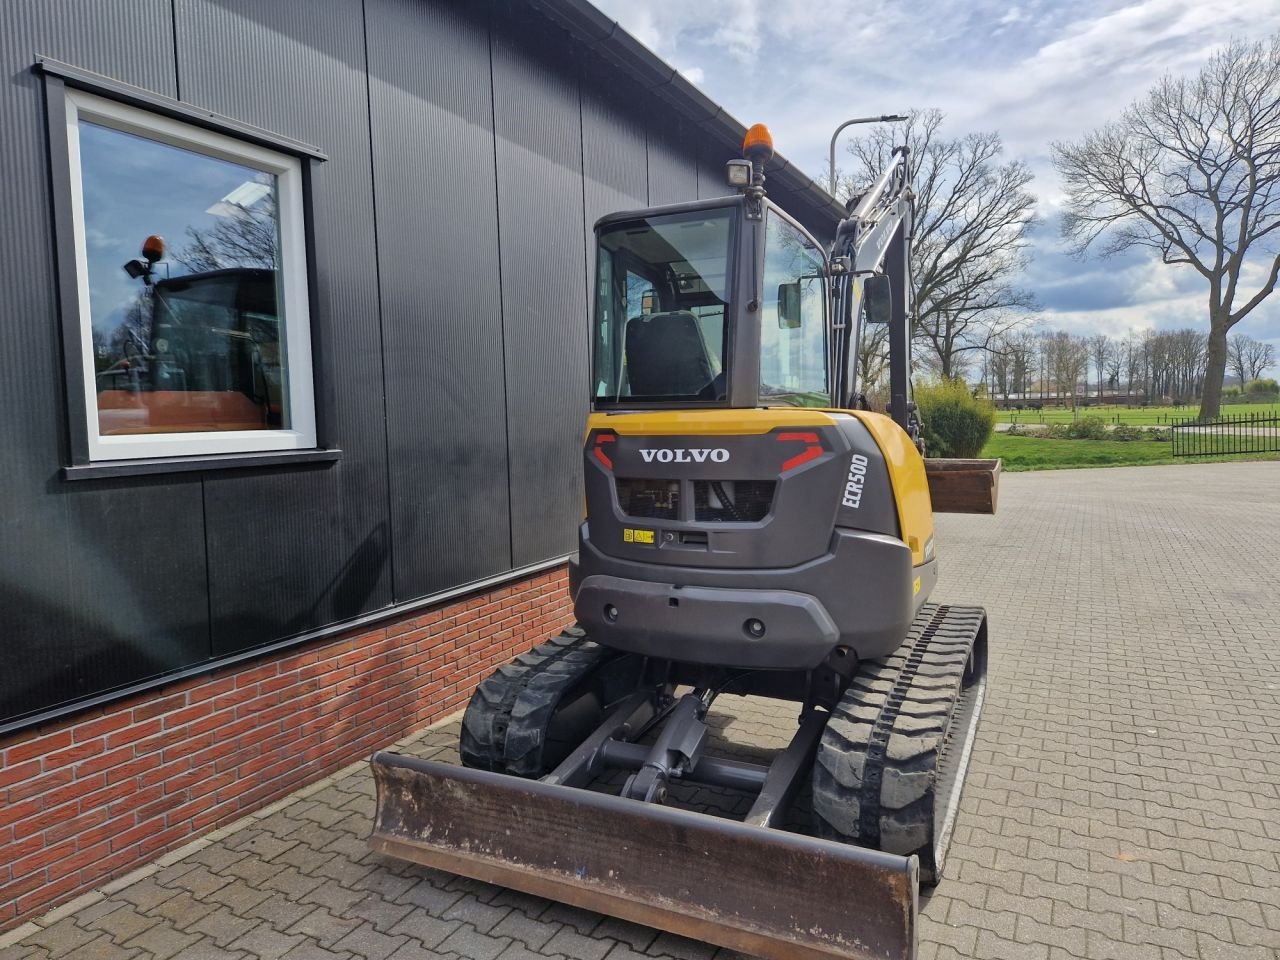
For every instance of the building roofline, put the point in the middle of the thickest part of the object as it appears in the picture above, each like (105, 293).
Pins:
(596, 31)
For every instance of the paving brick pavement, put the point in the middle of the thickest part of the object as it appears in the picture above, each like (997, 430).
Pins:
(1123, 802)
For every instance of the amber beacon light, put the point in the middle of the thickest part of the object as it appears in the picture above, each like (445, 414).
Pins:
(758, 143)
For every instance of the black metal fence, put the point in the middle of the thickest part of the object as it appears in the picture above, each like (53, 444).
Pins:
(1241, 433)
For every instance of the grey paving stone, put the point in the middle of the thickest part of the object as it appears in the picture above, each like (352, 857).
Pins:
(310, 950)
(570, 943)
(279, 911)
(238, 897)
(367, 942)
(583, 921)
(386, 884)
(383, 914)
(527, 904)
(415, 951)
(217, 857)
(61, 938)
(532, 933)
(163, 941)
(182, 910)
(323, 926)
(167, 875)
(425, 895)
(469, 942)
(20, 951)
(343, 871)
(292, 883)
(253, 870)
(266, 943)
(482, 916)
(199, 881)
(123, 923)
(518, 951)
(103, 948)
(670, 945)
(262, 843)
(423, 927)
(144, 894)
(336, 899)
(222, 926)
(632, 934)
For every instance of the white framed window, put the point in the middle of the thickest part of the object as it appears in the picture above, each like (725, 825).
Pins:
(191, 287)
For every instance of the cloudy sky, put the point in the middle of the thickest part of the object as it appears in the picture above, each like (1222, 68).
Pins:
(1036, 71)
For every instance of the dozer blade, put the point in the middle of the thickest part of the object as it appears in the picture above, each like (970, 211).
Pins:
(757, 890)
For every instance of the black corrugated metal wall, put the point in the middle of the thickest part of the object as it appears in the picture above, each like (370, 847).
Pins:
(470, 151)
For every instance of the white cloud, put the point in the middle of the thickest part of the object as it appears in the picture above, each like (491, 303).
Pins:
(1035, 70)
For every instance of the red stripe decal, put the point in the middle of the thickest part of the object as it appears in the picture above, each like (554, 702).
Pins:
(600, 454)
(812, 453)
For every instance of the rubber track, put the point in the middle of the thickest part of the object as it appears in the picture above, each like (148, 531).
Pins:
(505, 722)
(876, 771)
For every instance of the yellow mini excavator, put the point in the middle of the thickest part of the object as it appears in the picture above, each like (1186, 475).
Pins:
(751, 529)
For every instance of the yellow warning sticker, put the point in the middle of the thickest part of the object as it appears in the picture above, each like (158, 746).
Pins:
(637, 536)
(915, 587)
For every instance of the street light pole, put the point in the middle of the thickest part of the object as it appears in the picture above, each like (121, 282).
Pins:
(883, 118)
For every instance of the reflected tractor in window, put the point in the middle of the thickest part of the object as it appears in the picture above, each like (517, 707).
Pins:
(751, 529)
(201, 352)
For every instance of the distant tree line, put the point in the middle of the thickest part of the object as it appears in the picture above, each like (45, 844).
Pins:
(1166, 366)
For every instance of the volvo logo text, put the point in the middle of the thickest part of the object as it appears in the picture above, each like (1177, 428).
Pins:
(702, 455)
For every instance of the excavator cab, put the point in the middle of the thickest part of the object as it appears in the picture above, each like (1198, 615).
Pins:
(708, 306)
(746, 533)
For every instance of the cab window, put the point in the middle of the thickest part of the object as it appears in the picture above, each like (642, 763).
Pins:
(793, 325)
(662, 290)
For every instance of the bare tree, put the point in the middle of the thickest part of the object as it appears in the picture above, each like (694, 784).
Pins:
(972, 216)
(873, 358)
(1115, 366)
(241, 237)
(1000, 364)
(1067, 359)
(1187, 353)
(1136, 364)
(1024, 346)
(1099, 353)
(1191, 171)
(1248, 357)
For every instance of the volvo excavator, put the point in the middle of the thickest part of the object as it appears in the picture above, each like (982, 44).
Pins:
(751, 529)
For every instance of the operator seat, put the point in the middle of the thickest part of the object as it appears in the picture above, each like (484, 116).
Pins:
(667, 356)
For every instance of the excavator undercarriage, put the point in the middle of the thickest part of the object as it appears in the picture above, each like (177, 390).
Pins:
(884, 764)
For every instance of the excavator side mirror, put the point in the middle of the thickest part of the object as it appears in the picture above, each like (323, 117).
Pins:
(789, 306)
(877, 295)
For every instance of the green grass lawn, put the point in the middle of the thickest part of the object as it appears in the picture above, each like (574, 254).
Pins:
(1039, 453)
(1138, 416)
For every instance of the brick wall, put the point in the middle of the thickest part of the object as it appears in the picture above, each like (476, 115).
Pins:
(96, 795)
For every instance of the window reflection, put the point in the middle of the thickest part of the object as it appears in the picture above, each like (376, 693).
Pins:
(186, 331)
